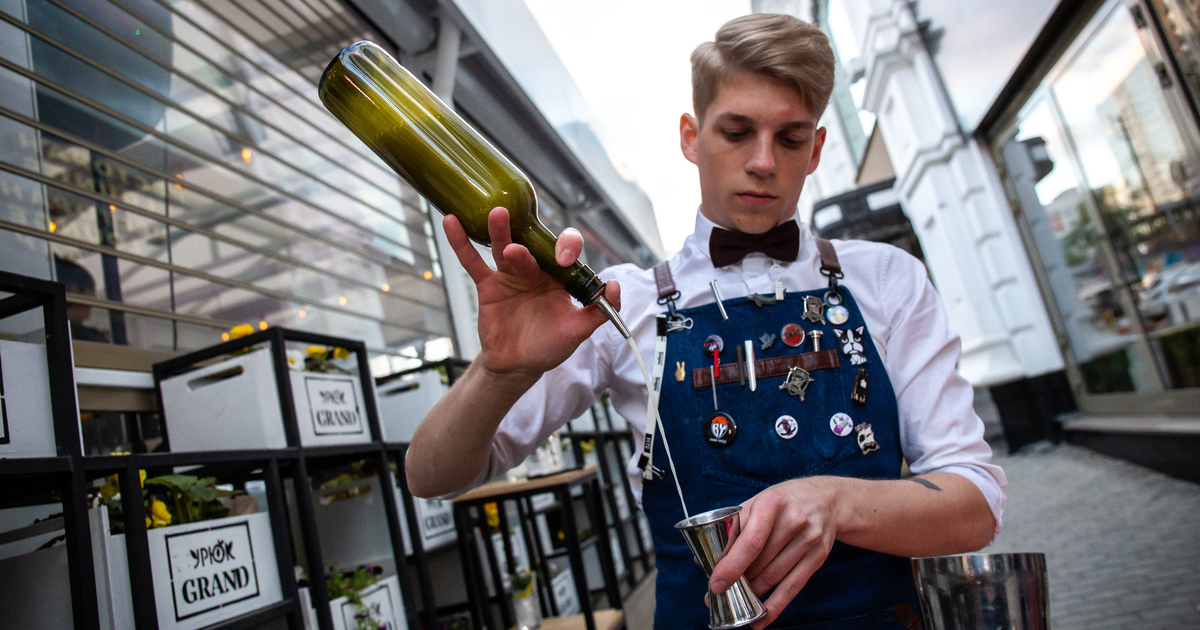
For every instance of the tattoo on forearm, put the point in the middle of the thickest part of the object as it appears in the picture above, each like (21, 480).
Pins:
(925, 482)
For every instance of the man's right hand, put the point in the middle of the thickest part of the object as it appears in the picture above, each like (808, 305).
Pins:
(528, 323)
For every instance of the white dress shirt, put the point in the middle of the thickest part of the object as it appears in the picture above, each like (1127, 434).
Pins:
(939, 430)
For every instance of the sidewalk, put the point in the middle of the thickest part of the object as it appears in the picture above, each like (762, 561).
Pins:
(1122, 542)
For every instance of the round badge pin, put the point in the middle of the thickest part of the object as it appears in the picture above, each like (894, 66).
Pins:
(786, 427)
(713, 343)
(841, 424)
(792, 335)
(720, 430)
(837, 315)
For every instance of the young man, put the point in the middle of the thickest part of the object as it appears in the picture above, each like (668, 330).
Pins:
(814, 452)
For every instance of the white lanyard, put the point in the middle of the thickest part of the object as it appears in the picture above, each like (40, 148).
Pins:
(646, 462)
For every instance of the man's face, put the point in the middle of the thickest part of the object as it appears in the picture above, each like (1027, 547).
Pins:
(757, 143)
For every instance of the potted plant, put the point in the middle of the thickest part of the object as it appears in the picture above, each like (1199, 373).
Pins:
(526, 606)
(358, 600)
(212, 554)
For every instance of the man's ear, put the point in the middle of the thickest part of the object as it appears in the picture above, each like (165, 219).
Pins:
(818, 144)
(689, 128)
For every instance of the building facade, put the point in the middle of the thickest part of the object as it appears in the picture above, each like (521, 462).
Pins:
(171, 164)
(1047, 155)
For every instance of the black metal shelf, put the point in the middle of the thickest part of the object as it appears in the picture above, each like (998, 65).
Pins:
(257, 618)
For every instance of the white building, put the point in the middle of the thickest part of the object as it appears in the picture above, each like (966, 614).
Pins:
(1047, 156)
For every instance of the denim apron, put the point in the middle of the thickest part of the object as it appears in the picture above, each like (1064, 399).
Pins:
(855, 588)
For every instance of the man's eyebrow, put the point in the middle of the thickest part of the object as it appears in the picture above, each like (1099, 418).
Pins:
(746, 120)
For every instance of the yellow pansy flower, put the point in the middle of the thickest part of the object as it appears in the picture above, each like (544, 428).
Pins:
(109, 490)
(159, 515)
(316, 351)
(341, 353)
(240, 331)
(493, 514)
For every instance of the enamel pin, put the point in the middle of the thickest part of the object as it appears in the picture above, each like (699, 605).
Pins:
(837, 315)
(679, 374)
(720, 430)
(761, 300)
(767, 340)
(792, 335)
(786, 427)
(797, 382)
(714, 345)
(866, 438)
(852, 345)
(841, 424)
(814, 309)
(861, 385)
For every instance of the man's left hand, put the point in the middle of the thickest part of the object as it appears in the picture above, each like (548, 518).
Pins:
(784, 535)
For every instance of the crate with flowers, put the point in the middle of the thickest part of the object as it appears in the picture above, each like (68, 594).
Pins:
(362, 599)
(212, 553)
(267, 389)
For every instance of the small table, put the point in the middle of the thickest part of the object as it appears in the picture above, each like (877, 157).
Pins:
(560, 486)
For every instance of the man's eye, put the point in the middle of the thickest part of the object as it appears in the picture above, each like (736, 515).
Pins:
(793, 142)
(733, 134)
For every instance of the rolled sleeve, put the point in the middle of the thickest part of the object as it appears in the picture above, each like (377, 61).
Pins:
(939, 429)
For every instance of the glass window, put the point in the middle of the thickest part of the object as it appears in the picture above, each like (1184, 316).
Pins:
(173, 165)
(1107, 174)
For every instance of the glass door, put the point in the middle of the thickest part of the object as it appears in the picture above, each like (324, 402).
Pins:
(1103, 164)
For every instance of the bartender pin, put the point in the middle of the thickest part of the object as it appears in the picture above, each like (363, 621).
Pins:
(866, 438)
(814, 310)
(797, 382)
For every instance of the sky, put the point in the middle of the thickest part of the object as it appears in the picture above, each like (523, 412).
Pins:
(630, 60)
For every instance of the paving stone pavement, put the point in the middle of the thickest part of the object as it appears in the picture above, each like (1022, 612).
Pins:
(1122, 542)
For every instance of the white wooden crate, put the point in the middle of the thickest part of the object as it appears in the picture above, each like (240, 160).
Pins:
(26, 421)
(203, 573)
(234, 404)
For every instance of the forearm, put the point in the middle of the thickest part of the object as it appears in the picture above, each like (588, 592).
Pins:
(928, 515)
(451, 446)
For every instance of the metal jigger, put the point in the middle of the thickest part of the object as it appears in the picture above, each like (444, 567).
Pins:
(707, 534)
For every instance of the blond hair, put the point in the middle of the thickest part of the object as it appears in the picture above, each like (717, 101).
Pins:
(779, 47)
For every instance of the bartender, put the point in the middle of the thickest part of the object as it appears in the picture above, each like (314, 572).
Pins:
(800, 375)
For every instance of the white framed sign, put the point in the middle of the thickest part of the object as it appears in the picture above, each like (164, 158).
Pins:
(437, 522)
(381, 601)
(211, 568)
(333, 406)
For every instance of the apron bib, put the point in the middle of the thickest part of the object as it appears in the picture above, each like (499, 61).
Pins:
(722, 464)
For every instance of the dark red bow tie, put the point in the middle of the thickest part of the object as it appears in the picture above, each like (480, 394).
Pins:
(781, 242)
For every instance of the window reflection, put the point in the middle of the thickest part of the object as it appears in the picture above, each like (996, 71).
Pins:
(1107, 172)
(193, 174)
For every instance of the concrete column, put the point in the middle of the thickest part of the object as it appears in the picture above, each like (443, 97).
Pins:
(460, 291)
(948, 186)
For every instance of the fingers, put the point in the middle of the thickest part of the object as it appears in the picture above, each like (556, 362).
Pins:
(743, 550)
(790, 587)
(501, 234)
(468, 257)
(568, 247)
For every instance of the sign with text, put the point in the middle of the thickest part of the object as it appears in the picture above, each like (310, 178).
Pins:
(211, 568)
(333, 405)
(378, 604)
(437, 522)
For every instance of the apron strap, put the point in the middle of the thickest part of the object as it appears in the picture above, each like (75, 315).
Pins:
(831, 268)
(667, 293)
(829, 258)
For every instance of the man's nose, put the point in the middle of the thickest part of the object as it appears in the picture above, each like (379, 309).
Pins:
(762, 159)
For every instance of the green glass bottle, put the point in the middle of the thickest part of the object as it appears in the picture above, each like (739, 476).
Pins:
(444, 158)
